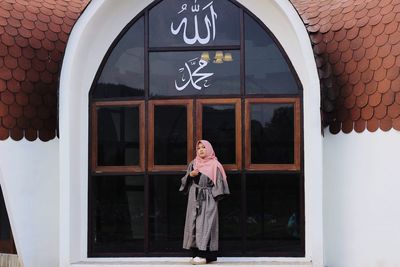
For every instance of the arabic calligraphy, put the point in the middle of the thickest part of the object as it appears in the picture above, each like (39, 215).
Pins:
(197, 79)
(209, 22)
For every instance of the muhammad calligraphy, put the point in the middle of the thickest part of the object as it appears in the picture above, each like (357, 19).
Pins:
(191, 74)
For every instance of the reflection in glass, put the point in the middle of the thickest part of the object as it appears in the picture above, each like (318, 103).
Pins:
(272, 133)
(219, 129)
(167, 213)
(194, 23)
(273, 212)
(170, 135)
(267, 72)
(230, 217)
(118, 136)
(189, 73)
(118, 213)
(123, 73)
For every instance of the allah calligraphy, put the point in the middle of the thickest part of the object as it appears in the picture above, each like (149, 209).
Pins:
(191, 74)
(209, 23)
(204, 21)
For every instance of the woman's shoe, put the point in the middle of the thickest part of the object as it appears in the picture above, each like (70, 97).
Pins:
(198, 261)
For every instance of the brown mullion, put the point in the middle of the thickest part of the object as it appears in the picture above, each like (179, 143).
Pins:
(194, 48)
(199, 119)
(142, 132)
(190, 133)
(238, 134)
(150, 135)
(94, 149)
(242, 56)
(195, 128)
(146, 219)
(297, 135)
(243, 193)
(188, 103)
(238, 125)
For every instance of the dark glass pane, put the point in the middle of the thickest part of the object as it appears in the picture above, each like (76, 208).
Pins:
(167, 213)
(118, 136)
(170, 135)
(5, 233)
(230, 218)
(123, 73)
(173, 23)
(272, 133)
(267, 72)
(118, 214)
(219, 129)
(194, 73)
(273, 213)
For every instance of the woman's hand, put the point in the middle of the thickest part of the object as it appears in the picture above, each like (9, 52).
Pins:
(194, 173)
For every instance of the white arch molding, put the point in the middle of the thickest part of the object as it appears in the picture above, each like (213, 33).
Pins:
(89, 41)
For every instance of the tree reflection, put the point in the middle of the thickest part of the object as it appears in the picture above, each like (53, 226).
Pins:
(272, 139)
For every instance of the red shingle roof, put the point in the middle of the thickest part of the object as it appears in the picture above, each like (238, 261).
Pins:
(356, 45)
(33, 35)
(357, 50)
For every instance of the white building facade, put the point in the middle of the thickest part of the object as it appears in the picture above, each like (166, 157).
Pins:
(345, 195)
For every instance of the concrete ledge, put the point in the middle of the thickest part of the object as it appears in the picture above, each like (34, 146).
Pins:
(179, 262)
(9, 260)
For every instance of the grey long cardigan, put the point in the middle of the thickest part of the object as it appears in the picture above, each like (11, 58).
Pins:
(201, 225)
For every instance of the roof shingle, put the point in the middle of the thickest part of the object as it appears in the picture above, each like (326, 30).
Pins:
(33, 38)
(357, 49)
(356, 45)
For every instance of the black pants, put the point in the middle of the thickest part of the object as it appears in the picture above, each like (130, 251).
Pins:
(208, 255)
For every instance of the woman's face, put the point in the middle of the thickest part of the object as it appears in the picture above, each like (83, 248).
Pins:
(201, 150)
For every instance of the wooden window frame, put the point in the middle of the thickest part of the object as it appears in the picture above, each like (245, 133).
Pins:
(118, 169)
(189, 117)
(238, 126)
(297, 135)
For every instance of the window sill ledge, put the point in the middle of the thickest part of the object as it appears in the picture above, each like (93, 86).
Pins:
(172, 262)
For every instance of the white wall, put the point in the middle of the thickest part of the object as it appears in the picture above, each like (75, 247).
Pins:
(86, 48)
(361, 199)
(29, 180)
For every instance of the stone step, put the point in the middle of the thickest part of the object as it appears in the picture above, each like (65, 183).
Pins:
(181, 262)
(9, 260)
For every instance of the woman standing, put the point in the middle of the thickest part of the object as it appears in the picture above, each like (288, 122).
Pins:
(205, 182)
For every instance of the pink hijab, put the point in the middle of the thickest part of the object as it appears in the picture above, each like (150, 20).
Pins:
(209, 164)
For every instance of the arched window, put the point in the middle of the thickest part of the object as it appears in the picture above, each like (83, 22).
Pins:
(184, 70)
